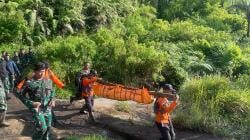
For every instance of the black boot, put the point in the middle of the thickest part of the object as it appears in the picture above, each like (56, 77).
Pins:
(91, 117)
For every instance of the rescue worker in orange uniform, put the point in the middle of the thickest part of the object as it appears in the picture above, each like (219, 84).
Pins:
(79, 76)
(50, 74)
(88, 93)
(162, 108)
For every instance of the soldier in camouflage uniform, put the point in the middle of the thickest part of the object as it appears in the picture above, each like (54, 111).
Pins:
(4, 75)
(37, 94)
(3, 106)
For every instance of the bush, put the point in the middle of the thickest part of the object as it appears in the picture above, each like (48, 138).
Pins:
(213, 104)
(90, 137)
(13, 27)
(221, 20)
(123, 107)
(131, 61)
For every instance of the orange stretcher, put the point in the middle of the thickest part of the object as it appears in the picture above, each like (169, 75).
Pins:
(122, 93)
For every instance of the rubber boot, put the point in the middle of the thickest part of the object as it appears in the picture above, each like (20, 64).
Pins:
(91, 117)
(2, 120)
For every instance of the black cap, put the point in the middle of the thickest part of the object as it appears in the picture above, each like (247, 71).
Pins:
(39, 66)
(168, 87)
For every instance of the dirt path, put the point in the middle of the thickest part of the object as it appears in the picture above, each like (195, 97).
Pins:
(116, 125)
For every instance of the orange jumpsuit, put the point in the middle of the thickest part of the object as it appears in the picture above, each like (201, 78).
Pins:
(163, 113)
(87, 94)
(162, 118)
(87, 84)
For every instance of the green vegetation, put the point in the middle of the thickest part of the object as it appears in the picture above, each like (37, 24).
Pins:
(90, 137)
(185, 43)
(217, 105)
(123, 107)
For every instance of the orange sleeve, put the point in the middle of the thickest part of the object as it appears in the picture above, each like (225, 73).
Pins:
(87, 81)
(20, 85)
(171, 107)
(56, 80)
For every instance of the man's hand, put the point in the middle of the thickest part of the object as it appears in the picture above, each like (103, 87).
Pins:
(177, 98)
(36, 104)
(52, 103)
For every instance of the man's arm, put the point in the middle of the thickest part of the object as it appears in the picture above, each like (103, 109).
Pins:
(16, 68)
(20, 84)
(87, 81)
(171, 107)
(8, 68)
(55, 79)
(22, 95)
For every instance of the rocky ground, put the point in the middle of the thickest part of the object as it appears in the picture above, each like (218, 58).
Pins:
(133, 123)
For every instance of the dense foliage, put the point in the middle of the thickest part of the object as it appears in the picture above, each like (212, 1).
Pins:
(217, 105)
(133, 42)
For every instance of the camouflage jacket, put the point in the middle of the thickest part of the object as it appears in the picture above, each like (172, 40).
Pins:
(37, 91)
(3, 104)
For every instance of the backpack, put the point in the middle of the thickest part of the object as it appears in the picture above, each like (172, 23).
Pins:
(79, 76)
(78, 82)
(78, 79)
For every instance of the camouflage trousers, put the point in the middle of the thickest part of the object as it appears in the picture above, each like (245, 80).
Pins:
(3, 103)
(6, 84)
(42, 121)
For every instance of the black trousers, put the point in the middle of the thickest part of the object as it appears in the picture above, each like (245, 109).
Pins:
(89, 103)
(166, 130)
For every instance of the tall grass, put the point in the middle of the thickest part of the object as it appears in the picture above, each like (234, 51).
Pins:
(90, 137)
(216, 105)
(123, 107)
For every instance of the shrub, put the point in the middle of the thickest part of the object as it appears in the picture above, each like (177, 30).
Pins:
(213, 104)
(90, 137)
(13, 27)
(123, 107)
